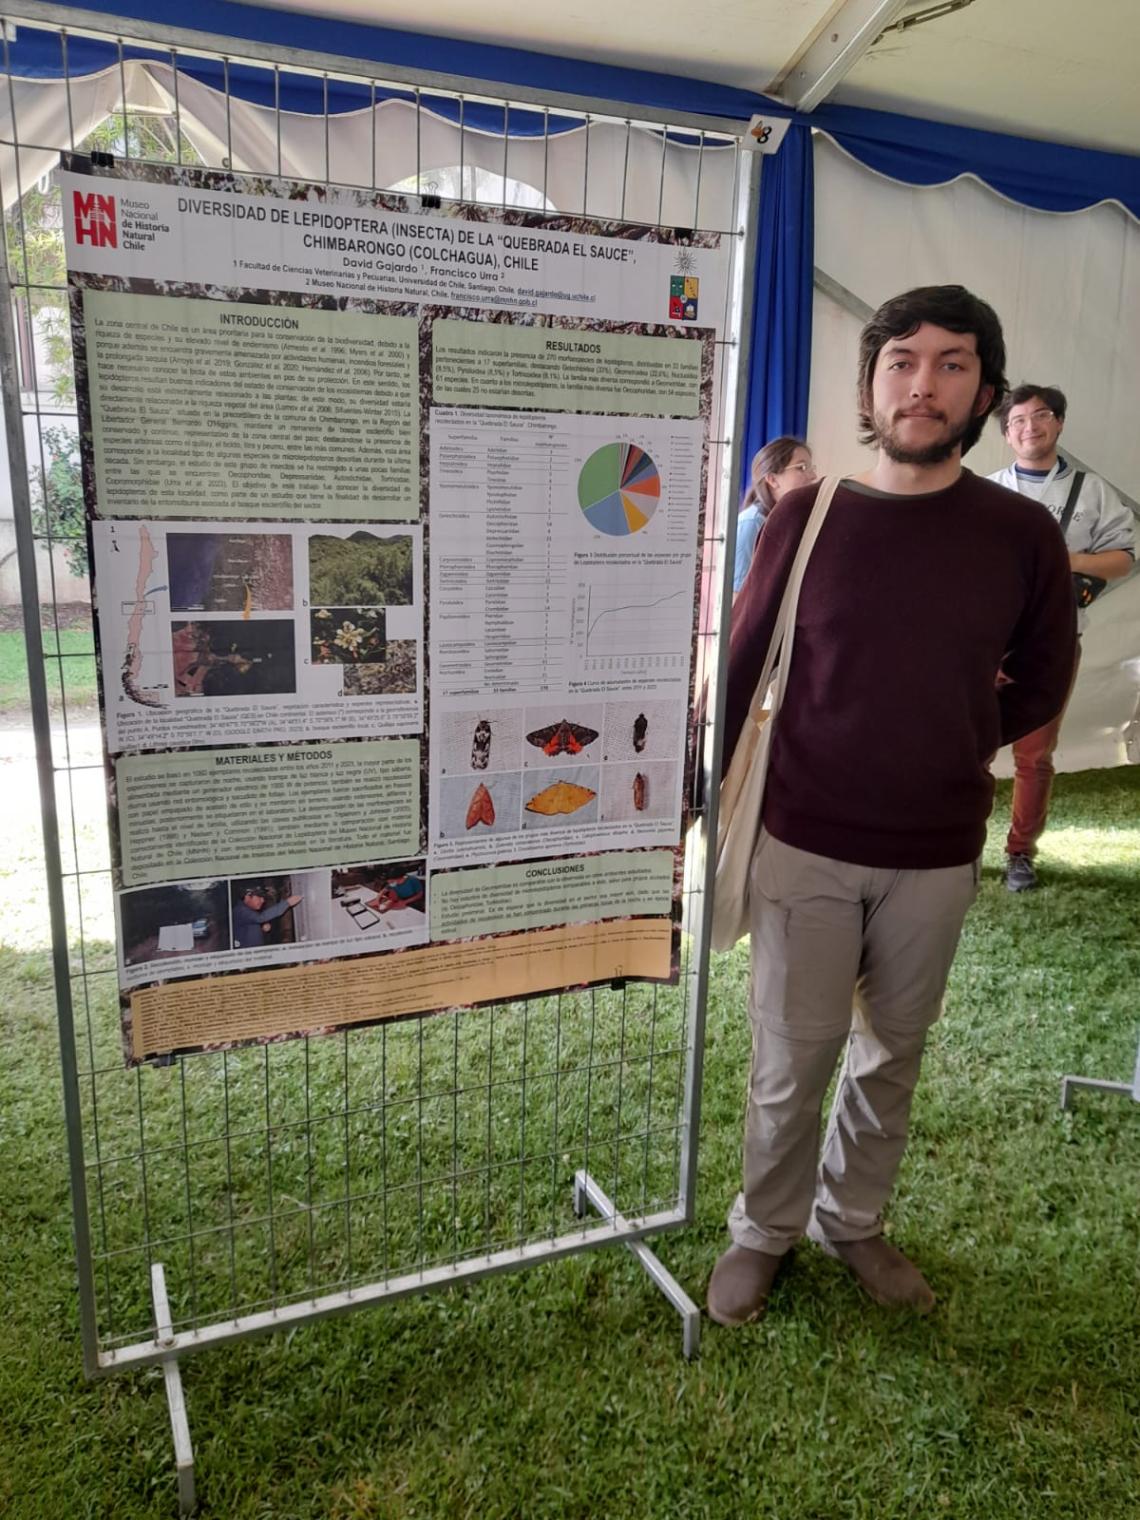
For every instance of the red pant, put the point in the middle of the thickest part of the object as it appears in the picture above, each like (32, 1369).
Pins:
(1033, 780)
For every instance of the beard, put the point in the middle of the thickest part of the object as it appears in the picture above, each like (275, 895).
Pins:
(937, 451)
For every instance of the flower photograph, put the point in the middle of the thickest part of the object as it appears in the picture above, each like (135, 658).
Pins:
(348, 635)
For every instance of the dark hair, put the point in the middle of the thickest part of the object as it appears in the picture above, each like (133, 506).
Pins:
(1053, 398)
(952, 307)
(771, 459)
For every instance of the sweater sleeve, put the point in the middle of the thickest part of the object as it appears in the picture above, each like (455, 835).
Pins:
(1042, 650)
(267, 915)
(1115, 527)
(756, 607)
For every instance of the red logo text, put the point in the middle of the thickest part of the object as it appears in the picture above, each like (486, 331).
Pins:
(95, 220)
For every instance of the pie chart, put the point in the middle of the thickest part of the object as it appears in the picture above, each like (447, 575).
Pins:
(619, 489)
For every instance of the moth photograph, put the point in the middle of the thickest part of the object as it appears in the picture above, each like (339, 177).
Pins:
(477, 806)
(485, 738)
(562, 738)
(571, 797)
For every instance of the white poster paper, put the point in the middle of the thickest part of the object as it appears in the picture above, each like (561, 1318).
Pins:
(562, 609)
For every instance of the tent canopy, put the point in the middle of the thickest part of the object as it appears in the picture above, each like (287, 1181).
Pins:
(1041, 69)
(1029, 99)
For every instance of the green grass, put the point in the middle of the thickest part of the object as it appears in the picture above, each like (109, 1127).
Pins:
(561, 1391)
(70, 668)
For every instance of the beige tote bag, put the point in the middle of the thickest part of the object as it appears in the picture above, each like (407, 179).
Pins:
(742, 790)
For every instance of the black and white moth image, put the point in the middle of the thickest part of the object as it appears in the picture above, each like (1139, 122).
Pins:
(481, 745)
(640, 729)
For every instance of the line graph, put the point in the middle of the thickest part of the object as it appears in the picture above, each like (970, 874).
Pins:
(616, 628)
(634, 627)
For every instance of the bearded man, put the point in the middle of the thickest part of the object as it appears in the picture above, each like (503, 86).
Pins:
(924, 581)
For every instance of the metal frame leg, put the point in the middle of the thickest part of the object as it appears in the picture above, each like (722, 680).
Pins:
(172, 1375)
(588, 1193)
(1131, 1089)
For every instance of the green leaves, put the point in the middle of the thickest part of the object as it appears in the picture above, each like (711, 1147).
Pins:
(57, 496)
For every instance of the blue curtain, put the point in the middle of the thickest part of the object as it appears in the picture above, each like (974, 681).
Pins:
(781, 317)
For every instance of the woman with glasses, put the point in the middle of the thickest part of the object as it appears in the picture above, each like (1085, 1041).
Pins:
(778, 468)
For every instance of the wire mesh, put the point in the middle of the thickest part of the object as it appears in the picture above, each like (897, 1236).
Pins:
(276, 1174)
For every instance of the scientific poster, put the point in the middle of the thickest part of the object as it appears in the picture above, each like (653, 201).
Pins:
(395, 521)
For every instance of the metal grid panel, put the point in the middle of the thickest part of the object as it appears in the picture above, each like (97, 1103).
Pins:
(290, 1179)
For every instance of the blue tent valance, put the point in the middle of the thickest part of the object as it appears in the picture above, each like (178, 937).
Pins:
(41, 55)
(37, 54)
(1046, 176)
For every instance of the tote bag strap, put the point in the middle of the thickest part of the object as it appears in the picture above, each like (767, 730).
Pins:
(778, 659)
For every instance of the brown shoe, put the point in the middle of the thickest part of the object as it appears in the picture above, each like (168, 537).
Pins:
(884, 1272)
(740, 1284)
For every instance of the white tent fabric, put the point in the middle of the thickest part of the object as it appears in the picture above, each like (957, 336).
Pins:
(600, 170)
(1067, 288)
(51, 115)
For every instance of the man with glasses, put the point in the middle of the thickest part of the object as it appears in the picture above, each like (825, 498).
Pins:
(1099, 534)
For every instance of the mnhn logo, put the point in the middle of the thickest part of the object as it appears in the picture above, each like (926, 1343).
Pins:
(95, 220)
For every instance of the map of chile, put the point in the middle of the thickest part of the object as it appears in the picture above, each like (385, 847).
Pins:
(619, 489)
(132, 661)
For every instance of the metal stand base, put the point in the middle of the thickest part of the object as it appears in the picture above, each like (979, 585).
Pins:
(1130, 1091)
(588, 1193)
(179, 1424)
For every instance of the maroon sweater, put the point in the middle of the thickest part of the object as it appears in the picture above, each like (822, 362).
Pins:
(890, 718)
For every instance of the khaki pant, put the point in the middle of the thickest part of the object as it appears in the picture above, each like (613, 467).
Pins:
(829, 938)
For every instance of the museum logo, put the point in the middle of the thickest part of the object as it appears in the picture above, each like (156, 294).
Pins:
(96, 220)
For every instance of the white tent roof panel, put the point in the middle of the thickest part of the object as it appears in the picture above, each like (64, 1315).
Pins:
(742, 43)
(1035, 68)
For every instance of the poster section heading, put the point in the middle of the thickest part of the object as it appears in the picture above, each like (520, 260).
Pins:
(294, 1000)
(193, 814)
(342, 243)
(207, 408)
(563, 586)
(491, 899)
(560, 369)
(211, 633)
